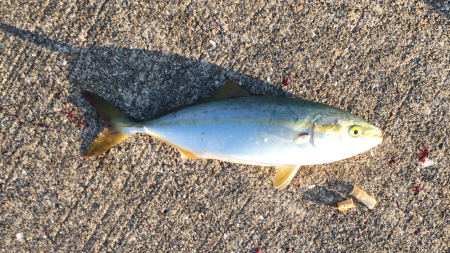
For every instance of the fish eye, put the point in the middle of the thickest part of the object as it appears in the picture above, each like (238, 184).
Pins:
(355, 131)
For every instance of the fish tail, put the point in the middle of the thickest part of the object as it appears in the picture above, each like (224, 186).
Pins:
(116, 123)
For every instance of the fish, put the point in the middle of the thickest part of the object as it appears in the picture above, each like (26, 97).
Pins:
(238, 126)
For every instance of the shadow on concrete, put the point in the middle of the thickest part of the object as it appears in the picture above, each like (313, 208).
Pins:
(442, 6)
(328, 195)
(118, 74)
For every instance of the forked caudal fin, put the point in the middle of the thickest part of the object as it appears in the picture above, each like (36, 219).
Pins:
(114, 120)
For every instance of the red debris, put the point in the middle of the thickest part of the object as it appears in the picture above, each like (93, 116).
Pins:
(298, 185)
(264, 17)
(290, 74)
(391, 160)
(417, 231)
(423, 153)
(285, 82)
(70, 115)
(391, 114)
(259, 250)
(296, 75)
(416, 189)
(365, 223)
(287, 248)
(37, 99)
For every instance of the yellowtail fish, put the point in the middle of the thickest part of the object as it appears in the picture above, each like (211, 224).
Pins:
(237, 126)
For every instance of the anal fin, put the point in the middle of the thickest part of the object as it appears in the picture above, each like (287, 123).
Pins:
(187, 154)
(184, 152)
(284, 175)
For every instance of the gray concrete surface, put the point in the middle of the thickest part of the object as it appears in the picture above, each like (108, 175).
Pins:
(387, 61)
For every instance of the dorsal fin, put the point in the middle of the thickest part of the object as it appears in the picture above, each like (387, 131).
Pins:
(229, 89)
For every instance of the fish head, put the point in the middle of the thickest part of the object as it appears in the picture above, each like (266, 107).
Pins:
(341, 135)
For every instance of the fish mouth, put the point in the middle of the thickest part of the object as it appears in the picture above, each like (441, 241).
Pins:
(378, 134)
(379, 137)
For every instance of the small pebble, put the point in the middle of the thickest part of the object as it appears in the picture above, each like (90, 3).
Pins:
(19, 237)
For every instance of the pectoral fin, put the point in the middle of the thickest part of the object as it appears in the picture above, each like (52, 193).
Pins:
(284, 175)
(302, 138)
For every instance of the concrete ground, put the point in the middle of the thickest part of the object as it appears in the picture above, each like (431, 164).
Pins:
(386, 61)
